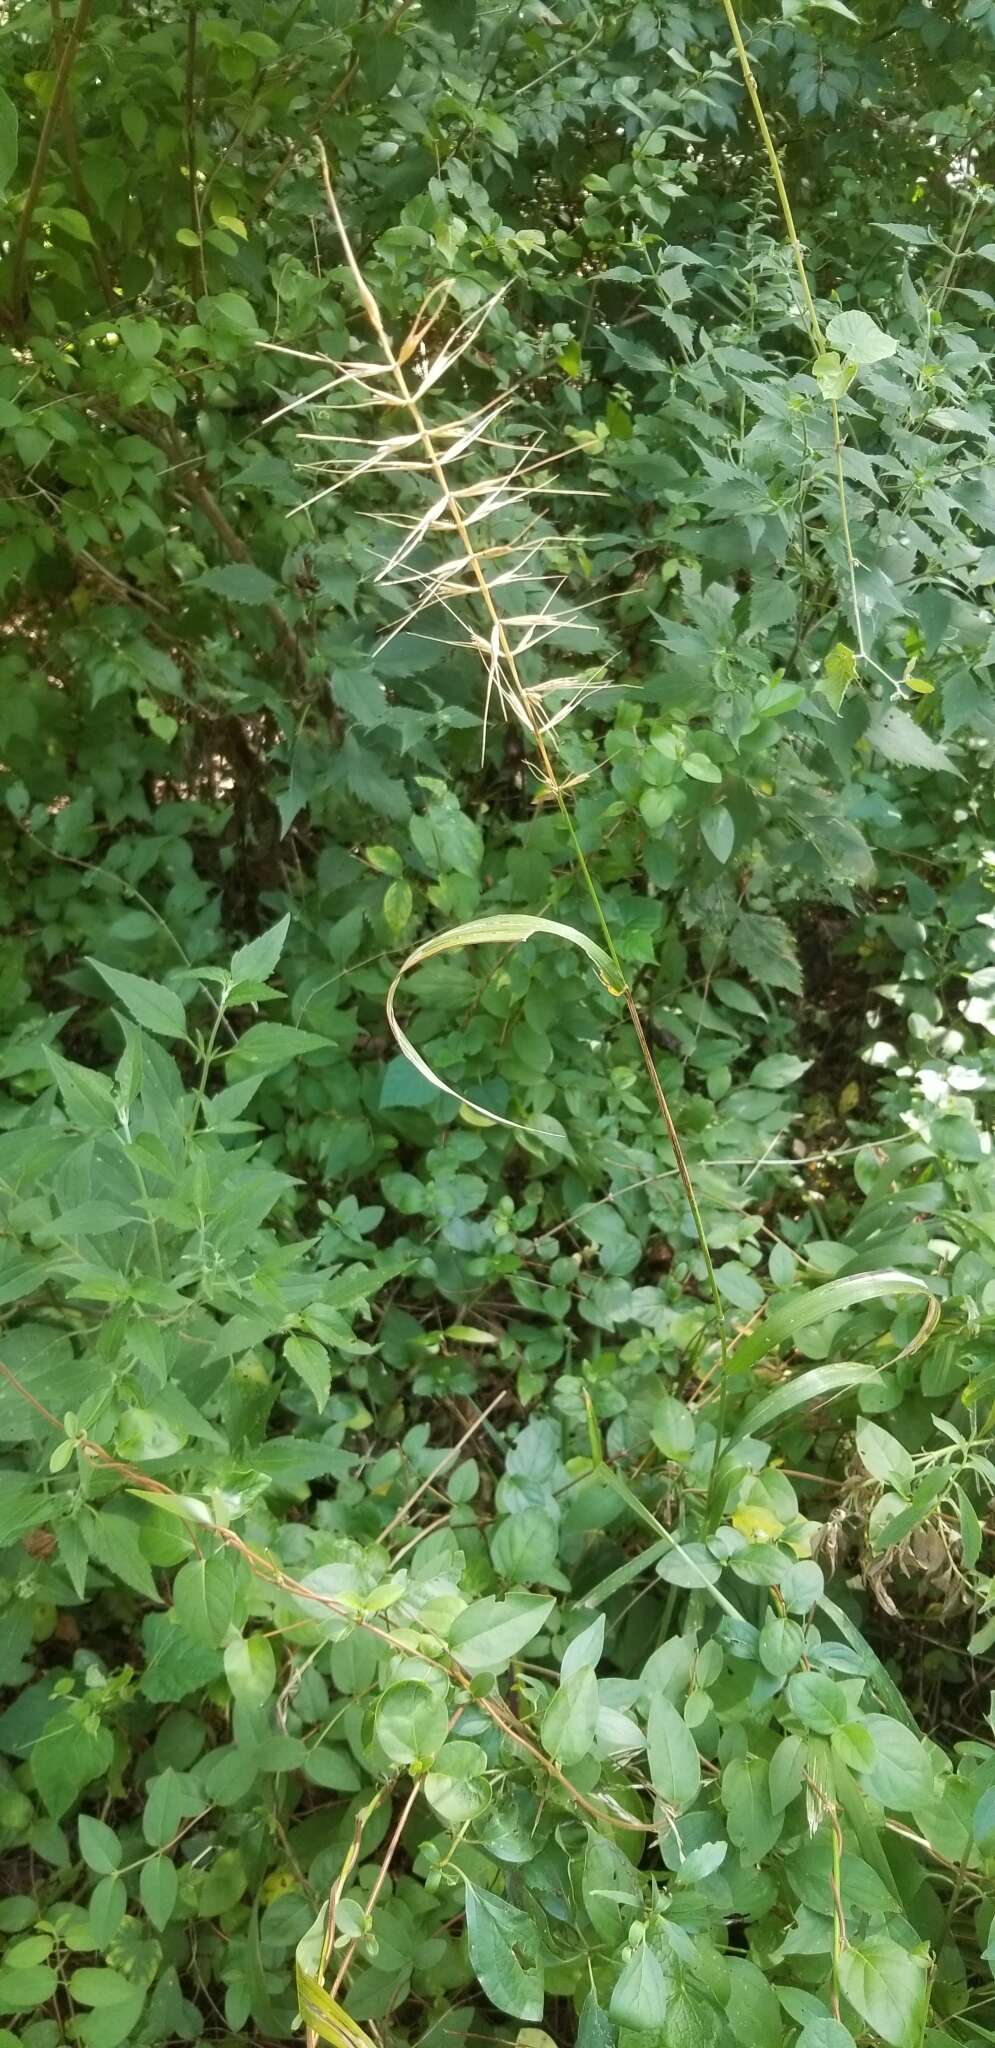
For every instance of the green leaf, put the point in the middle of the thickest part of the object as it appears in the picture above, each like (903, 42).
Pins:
(87, 1097)
(412, 1723)
(753, 2011)
(66, 1757)
(839, 669)
(611, 1889)
(779, 1070)
(860, 338)
(265, 1048)
(457, 1788)
(782, 1643)
(718, 832)
(98, 1845)
(452, 17)
(259, 959)
(158, 1888)
(99, 1987)
(854, 1744)
(72, 222)
(886, 1985)
(754, 1826)
(834, 375)
(156, 1008)
(239, 583)
(230, 310)
(26, 1990)
(901, 1775)
(675, 1766)
(310, 1361)
(144, 1434)
(819, 1702)
(106, 1910)
(490, 1632)
(171, 1797)
(398, 904)
(446, 838)
(585, 1648)
(885, 1687)
(403, 1087)
(764, 947)
(884, 1457)
(983, 1824)
(810, 1388)
(204, 1598)
(570, 1720)
(505, 1953)
(594, 2029)
(250, 1668)
(787, 1771)
(114, 1540)
(142, 338)
(640, 1997)
(825, 2033)
(900, 740)
(701, 769)
(971, 1531)
(319, 2011)
(672, 1428)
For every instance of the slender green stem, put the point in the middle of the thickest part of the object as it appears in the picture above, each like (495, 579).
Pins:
(53, 114)
(814, 324)
(645, 1515)
(957, 1889)
(207, 1061)
(845, 528)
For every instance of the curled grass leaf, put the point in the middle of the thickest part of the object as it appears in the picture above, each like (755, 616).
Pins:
(809, 1389)
(801, 1311)
(324, 2016)
(509, 930)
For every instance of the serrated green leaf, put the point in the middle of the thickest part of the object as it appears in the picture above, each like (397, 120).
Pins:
(155, 1007)
(259, 959)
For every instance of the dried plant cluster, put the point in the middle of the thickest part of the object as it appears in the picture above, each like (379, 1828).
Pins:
(455, 561)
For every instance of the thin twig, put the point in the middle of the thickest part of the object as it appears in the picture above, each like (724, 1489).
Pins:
(194, 487)
(129, 891)
(649, 1180)
(381, 1879)
(76, 173)
(816, 336)
(53, 114)
(403, 1512)
(190, 112)
(325, 107)
(271, 1574)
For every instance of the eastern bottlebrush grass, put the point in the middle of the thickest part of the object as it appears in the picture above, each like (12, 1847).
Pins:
(456, 557)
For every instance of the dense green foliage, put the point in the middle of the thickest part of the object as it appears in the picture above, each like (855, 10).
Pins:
(415, 1607)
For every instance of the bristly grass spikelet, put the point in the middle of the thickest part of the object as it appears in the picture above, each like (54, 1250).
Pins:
(492, 586)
